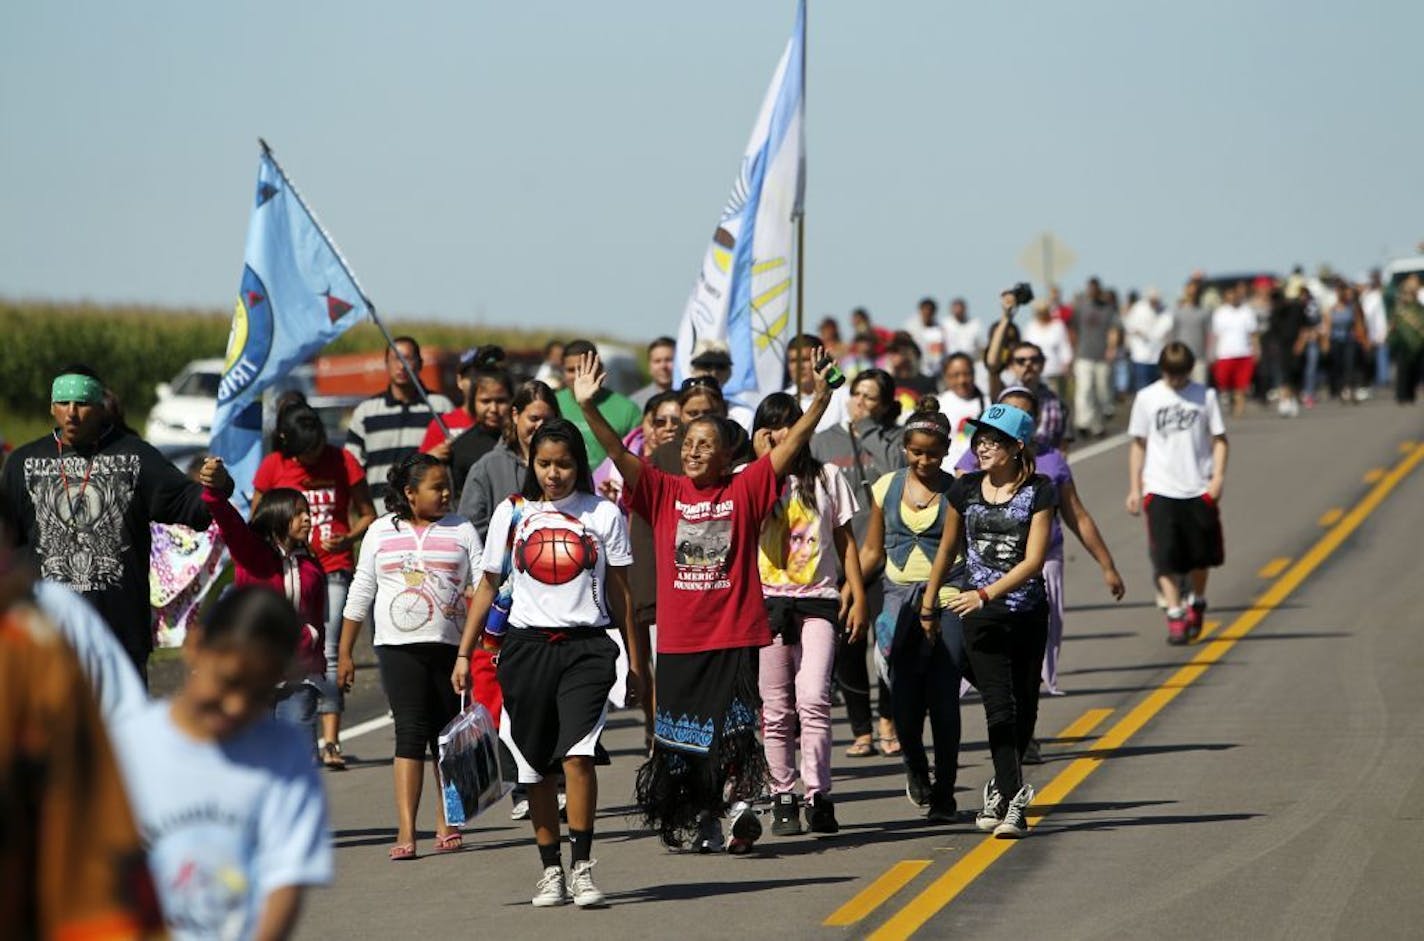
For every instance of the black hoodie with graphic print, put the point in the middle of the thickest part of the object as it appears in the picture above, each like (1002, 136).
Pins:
(83, 514)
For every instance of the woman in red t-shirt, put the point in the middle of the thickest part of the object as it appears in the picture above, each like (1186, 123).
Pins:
(711, 619)
(341, 509)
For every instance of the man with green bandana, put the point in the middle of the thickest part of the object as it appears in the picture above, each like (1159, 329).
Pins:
(81, 499)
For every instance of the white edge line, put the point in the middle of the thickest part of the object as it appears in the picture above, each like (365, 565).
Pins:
(367, 727)
(1101, 447)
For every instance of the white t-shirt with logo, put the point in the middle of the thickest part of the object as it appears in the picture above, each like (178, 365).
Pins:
(1233, 328)
(1178, 427)
(959, 411)
(796, 555)
(561, 553)
(226, 823)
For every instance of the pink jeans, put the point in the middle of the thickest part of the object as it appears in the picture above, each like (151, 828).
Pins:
(795, 680)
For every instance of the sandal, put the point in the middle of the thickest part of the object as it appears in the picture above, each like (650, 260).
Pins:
(332, 758)
(861, 748)
(450, 842)
(890, 745)
(402, 851)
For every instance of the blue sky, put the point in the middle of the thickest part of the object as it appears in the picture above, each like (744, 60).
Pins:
(563, 163)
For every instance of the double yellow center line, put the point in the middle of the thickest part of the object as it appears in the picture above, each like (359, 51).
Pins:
(949, 884)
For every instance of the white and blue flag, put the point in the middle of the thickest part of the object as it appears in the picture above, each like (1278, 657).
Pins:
(296, 296)
(743, 295)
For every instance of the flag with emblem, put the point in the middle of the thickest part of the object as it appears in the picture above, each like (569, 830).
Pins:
(297, 294)
(743, 294)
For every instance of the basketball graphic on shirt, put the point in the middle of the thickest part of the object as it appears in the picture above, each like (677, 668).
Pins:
(557, 551)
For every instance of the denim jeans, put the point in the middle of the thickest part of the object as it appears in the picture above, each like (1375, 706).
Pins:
(1381, 365)
(1143, 375)
(924, 681)
(331, 701)
(297, 704)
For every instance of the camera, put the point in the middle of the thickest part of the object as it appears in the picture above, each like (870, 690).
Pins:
(834, 377)
(1023, 293)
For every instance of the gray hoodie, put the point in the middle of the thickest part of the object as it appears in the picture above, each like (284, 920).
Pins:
(492, 478)
(875, 450)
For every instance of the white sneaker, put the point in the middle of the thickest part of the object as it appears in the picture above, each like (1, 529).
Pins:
(1015, 825)
(993, 812)
(550, 890)
(581, 885)
(520, 811)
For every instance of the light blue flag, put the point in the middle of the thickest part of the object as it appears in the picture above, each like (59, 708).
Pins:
(297, 295)
(742, 299)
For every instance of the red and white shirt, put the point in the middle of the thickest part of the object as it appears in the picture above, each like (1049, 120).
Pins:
(416, 575)
(706, 543)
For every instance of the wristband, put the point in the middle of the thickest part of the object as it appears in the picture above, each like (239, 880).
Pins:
(983, 596)
(462, 655)
(927, 616)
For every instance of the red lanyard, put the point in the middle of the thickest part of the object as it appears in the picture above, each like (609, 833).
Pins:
(64, 480)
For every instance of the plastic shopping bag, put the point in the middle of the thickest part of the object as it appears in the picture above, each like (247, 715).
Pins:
(470, 779)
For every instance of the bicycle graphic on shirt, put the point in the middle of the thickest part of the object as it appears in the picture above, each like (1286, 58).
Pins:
(426, 593)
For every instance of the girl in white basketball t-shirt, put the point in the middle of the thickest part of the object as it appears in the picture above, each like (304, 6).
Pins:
(568, 555)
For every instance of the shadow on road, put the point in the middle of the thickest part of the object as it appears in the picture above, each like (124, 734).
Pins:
(683, 891)
(1138, 751)
(1048, 828)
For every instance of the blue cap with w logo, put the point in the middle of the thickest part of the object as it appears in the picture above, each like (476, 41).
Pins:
(1009, 419)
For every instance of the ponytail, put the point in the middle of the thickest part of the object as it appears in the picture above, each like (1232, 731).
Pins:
(408, 472)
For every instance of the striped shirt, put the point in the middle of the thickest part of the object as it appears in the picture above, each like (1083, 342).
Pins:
(383, 430)
(416, 576)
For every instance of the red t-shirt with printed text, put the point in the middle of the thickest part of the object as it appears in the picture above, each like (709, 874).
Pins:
(327, 485)
(705, 539)
(458, 421)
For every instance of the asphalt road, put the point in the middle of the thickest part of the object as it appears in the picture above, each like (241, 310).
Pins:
(1266, 782)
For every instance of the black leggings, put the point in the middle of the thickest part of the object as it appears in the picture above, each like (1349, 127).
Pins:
(853, 677)
(417, 682)
(1006, 654)
(926, 680)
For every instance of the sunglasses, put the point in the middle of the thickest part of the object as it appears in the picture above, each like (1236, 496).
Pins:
(1028, 360)
(667, 420)
(701, 382)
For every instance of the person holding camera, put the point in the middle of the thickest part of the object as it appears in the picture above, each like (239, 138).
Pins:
(1025, 361)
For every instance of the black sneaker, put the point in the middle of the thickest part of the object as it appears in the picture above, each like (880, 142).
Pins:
(709, 837)
(821, 815)
(943, 808)
(786, 815)
(1033, 755)
(917, 787)
(746, 829)
(1014, 826)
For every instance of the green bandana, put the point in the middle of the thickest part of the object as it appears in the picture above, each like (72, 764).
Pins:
(73, 387)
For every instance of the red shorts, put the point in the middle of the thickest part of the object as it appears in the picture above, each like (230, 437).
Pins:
(1234, 375)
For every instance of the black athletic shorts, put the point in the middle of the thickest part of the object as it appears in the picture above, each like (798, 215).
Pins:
(556, 685)
(1183, 535)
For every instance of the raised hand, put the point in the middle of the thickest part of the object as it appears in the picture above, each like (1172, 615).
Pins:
(588, 378)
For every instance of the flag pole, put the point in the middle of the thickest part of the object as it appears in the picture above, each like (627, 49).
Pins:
(800, 217)
(370, 307)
